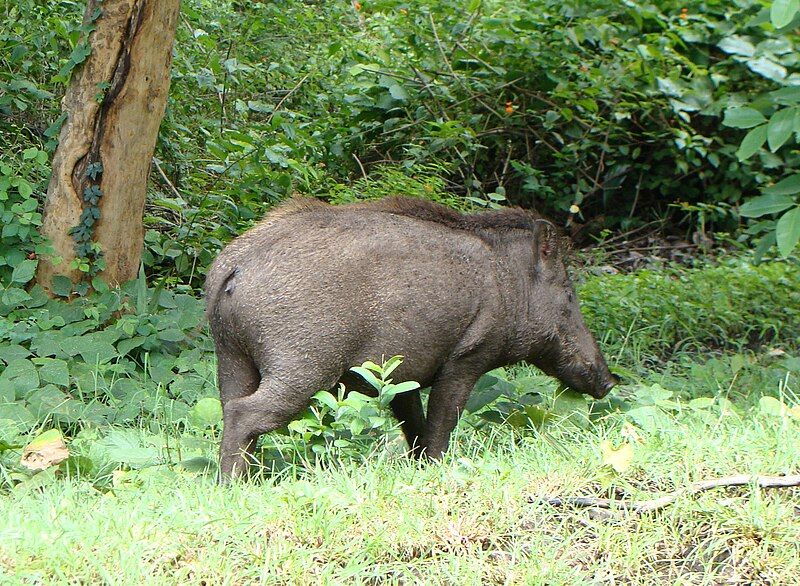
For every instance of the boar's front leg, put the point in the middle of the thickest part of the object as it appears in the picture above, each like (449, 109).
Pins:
(407, 407)
(449, 394)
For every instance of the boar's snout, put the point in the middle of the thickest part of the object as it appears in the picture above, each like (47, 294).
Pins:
(594, 380)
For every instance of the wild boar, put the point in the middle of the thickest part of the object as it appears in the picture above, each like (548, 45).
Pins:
(314, 289)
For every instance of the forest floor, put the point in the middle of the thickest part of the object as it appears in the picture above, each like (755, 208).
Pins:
(483, 515)
(477, 518)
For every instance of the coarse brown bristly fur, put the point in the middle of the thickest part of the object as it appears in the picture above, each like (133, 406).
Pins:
(491, 220)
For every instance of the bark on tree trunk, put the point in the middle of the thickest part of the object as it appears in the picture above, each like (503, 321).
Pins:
(130, 63)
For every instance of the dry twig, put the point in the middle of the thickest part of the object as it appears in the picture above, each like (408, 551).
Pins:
(649, 505)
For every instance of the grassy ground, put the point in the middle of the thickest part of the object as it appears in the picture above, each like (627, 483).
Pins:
(686, 413)
(476, 518)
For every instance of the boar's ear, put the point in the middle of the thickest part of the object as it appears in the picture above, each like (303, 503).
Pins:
(546, 240)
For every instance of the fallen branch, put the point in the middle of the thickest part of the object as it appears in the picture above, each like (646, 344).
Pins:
(646, 506)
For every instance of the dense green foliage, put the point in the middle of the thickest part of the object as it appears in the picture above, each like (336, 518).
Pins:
(593, 112)
(604, 115)
(618, 112)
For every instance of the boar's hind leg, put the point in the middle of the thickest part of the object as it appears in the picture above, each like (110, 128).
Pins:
(407, 407)
(273, 405)
(237, 377)
(449, 394)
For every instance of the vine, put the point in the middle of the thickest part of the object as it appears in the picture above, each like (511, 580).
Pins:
(88, 256)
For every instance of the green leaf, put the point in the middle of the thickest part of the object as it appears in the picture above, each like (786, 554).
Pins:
(93, 348)
(788, 186)
(390, 365)
(768, 68)
(771, 406)
(701, 403)
(24, 271)
(780, 128)
(29, 153)
(752, 142)
(126, 446)
(17, 413)
(653, 395)
(737, 45)
(368, 376)
(14, 297)
(125, 346)
(19, 378)
(24, 188)
(61, 285)
(53, 370)
(743, 117)
(9, 352)
(486, 391)
(782, 12)
(398, 92)
(618, 458)
(171, 335)
(327, 399)
(405, 387)
(787, 232)
(206, 413)
(198, 465)
(765, 204)
(650, 418)
(569, 402)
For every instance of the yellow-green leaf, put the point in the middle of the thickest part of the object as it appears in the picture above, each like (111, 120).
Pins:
(48, 449)
(618, 458)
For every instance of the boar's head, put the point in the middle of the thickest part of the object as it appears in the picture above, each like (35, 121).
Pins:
(562, 345)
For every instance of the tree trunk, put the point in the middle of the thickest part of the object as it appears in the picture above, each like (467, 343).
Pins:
(114, 103)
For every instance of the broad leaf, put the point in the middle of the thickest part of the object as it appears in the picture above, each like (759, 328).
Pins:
(787, 232)
(765, 204)
(768, 68)
(486, 391)
(126, 446)
(752, 142)
(368, 376)
(782, 12)
(620, 458)
(9, 352)
(206, 413)
(737, 45)
(780, 128)
(24, 271)
(650, 418)
(771, 406)
(18, 379)
(743, 117)
(53, 370)
(788, 186)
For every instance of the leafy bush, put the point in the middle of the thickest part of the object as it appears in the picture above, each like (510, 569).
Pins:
(773, 58)
(731, 306)
(592, 112)
(347, 424)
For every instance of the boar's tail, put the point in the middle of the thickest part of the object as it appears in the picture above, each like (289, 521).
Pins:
(216, 285)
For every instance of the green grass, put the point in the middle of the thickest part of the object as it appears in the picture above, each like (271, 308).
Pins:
(476, 518)
(701, 399)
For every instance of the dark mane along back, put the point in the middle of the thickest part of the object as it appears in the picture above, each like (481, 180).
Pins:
(493, 220)
(484, 224)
